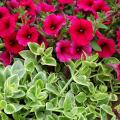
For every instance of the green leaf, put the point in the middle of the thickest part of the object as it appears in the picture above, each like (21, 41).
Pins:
(11, 85)
(81, 117)
(1, 3)
(1, 96)
(31, 93)
(105, 77)
(18, 68)
(50, 117)
(85, 69)
(52, 105)
(26, 54)
(2, 79)
(95, 46)
(114, 118)
(41, 49)
(107, 109)
(78, 63)
(1, 45)
(34, 48)
(100, 25)
(51, 78)
(80, 15)
(42, 96)
(3, 104)
(50, 61)
(34, 92)
(81, 97)
(49, 106)
(100, 96)
(39, 114)
(48, 52)
(74, 87)
(103, 88)
(30, 66)
(103, 115)
(91, 88)
(118, 108)
(70, 114)
(7, 72)
(111, 60)
(113, 97)
(3, 116)
(69, 101)
(92, 58)
(72, 67)
(63, 118)
(40, 76)
(82, 80)
(51, 88)
(10, 109)
(18, 94)
(18, 107)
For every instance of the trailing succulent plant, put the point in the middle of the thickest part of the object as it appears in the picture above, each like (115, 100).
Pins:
(36, 87)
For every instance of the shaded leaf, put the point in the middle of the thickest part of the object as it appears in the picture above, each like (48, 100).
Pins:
(50, 61)
(10, 109)
(81, 97)
(69, 101)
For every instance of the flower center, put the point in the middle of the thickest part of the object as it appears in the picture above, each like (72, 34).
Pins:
(103, 45)
(12, 42)
(0, 15)
(28, 36)
(27, 8)
(78, 49)
(53, 27)
(62, 49)
(90, 4)
(40, 39)
(7, 24)
(81, 30)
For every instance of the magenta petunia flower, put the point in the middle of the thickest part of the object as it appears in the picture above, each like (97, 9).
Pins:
(81, 31)
(12, 44)
(63, 50)
(77, 51)
(4, 12)
(118, 1)
(118, 34)
(116, 67)
(44, 7)
(7, 25)
(118, 45)
(53, 23)
(101, 5)
(12, 4)
(27, 34)
(66, 1)
(86, 5)
(28, 5)
(107, 47)
(6, 58)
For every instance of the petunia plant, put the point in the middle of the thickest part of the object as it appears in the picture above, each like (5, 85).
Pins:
(70, 27)
(37, 87)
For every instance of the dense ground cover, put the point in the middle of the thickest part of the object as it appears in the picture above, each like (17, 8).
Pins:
(59, 59)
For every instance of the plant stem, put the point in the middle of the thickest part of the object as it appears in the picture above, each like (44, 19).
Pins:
(67, 84)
